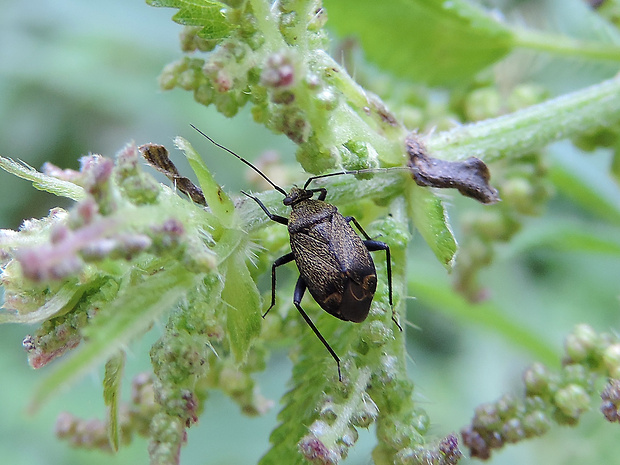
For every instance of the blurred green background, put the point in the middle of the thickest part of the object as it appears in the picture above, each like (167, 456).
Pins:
(79, 77)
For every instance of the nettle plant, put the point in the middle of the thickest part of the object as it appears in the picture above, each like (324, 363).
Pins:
(132, 251)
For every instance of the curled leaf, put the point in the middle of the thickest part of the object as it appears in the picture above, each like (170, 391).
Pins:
(470, 177)
(157, 156)
(219, 203)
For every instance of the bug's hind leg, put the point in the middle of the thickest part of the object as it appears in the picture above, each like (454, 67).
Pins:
(300, 289)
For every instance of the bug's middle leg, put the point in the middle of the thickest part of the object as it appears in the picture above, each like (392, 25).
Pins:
(284, 259)
(350, 219)
(300, 289)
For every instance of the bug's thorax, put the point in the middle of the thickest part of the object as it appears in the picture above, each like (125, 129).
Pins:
(309, 214)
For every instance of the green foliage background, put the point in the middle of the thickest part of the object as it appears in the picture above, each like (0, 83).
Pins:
(79, 77)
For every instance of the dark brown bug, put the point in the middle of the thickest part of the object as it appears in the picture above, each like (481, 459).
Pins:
(334, 263)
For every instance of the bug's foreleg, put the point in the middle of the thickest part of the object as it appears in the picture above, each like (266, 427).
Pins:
(300, 289)
(289, 257)
(272, 217)
(378, 245)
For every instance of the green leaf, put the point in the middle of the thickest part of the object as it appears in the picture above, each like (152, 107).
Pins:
(434, 41)
(111, 395)
(116, 325)
(218, 201)
(243, 319)
(208, 14)
(42, 181)
(431, 219)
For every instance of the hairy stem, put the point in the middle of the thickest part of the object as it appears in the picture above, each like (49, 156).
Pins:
(534, 127)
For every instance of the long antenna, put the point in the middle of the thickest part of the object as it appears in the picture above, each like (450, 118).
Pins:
(362, 171)
(276, 187)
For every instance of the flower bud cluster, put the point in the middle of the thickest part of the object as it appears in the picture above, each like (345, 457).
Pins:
(294, 86)
(97, 228)
(60, 271)
(85, 434)
(508, 420)
(179, 360)
(446, 452)
(611, 401)
(192, 41)
(549, 397)
(186, 365)
(55, 337)
(485, 100)
(331, 435)
(134, 184)
(294, 14)
(237, 382)
(401, 426)
(597, 351)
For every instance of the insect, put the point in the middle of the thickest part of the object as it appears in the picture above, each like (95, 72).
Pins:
(334, 263)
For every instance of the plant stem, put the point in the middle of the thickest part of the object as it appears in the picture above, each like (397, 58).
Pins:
(534, 127)
(365, 118)
(267, 25)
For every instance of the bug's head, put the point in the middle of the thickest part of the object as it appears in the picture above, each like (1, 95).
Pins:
(296, 195)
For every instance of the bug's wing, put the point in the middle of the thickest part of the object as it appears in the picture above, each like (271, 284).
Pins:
(349, 249)
(319, 269)
(355, 261)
